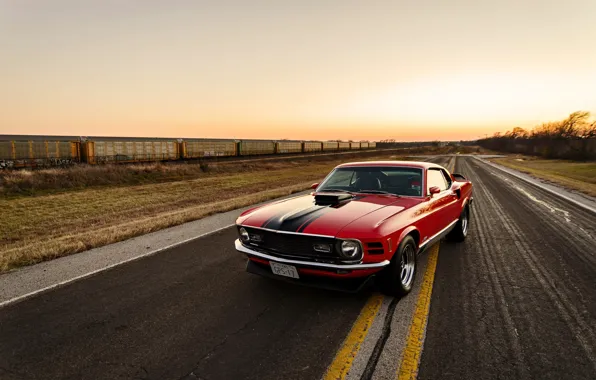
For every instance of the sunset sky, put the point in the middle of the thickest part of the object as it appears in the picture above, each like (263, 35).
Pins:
(406, 70)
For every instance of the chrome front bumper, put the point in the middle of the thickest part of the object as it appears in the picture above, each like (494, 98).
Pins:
(242, 248)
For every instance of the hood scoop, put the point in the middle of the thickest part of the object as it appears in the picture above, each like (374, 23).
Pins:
(331, 199)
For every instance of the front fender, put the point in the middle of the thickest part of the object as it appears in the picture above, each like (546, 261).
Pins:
(407, 231)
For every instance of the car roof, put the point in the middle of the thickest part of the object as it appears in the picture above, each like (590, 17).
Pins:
(410, 164)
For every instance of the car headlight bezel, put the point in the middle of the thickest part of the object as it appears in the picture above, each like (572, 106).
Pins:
(244, 235)
(350, 249)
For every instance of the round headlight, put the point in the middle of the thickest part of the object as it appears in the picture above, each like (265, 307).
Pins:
(350, 249)
(243, 234)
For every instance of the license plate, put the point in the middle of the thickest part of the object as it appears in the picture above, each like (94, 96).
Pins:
(284, 270)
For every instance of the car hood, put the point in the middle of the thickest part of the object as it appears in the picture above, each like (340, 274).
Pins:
(303, 215)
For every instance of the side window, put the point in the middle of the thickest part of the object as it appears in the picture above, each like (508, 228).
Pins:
(447, 178)
(435, 177)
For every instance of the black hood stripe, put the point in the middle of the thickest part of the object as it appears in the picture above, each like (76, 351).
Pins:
(271, 219)
(301, 227)
(315, 217)
(291, 220)
(295, 220)
(270, 223)
(285, 208)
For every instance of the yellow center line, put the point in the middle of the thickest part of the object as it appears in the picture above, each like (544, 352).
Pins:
(410, 361)
(342, 363)
(408, 369)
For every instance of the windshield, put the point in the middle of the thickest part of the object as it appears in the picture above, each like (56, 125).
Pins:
(392, 180)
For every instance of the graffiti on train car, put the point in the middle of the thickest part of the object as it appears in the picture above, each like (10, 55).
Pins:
(102, 159)
(38, 163)
(61, 161)
(47, 162)
(6, 164)
(214, 154)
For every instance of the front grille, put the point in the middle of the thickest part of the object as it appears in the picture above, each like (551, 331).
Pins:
(375, 248)
(294, 246)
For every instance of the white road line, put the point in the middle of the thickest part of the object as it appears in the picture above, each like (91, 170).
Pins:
(88, 274)
(551, 208)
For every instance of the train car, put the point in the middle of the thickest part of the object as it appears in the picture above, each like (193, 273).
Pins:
(199, 148)
(256, 147)
(330, 146)
(97, 150)
(372, 145)
(344, 145)
(354, 145)
(288, 146)
(18, 151)
(312, 146)
(364, 145)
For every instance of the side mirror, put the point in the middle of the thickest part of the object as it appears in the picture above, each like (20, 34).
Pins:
(314, 186)
(434, 190)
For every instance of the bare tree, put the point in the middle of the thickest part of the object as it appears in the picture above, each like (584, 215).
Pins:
(570, 127)
(518, 133)
(588, 130)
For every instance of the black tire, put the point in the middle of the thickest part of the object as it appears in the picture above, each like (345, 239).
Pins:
(460, 231)
(394, 280)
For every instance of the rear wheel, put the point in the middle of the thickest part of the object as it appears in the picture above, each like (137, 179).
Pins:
(460, 231)
(397, 279)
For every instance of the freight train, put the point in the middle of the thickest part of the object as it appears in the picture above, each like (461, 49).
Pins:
(43, 151)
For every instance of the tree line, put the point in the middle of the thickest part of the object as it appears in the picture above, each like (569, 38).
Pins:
(571, 138)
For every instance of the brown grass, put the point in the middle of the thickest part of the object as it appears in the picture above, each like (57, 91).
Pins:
(580, 176)
(43, 227)
(47, 181)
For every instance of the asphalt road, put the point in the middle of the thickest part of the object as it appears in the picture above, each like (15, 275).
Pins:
(516, 300)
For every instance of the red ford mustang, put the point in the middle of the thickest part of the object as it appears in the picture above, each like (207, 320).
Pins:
(365, 220)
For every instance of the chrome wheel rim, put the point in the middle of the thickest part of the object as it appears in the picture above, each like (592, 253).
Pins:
(464, 223)
(407, 265)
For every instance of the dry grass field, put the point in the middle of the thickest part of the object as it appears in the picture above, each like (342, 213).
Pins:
(580, 176)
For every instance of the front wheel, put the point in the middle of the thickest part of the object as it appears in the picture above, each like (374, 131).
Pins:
(397, 279)
(460, 231)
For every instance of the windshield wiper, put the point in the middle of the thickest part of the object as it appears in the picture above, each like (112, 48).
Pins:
(377, 192)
